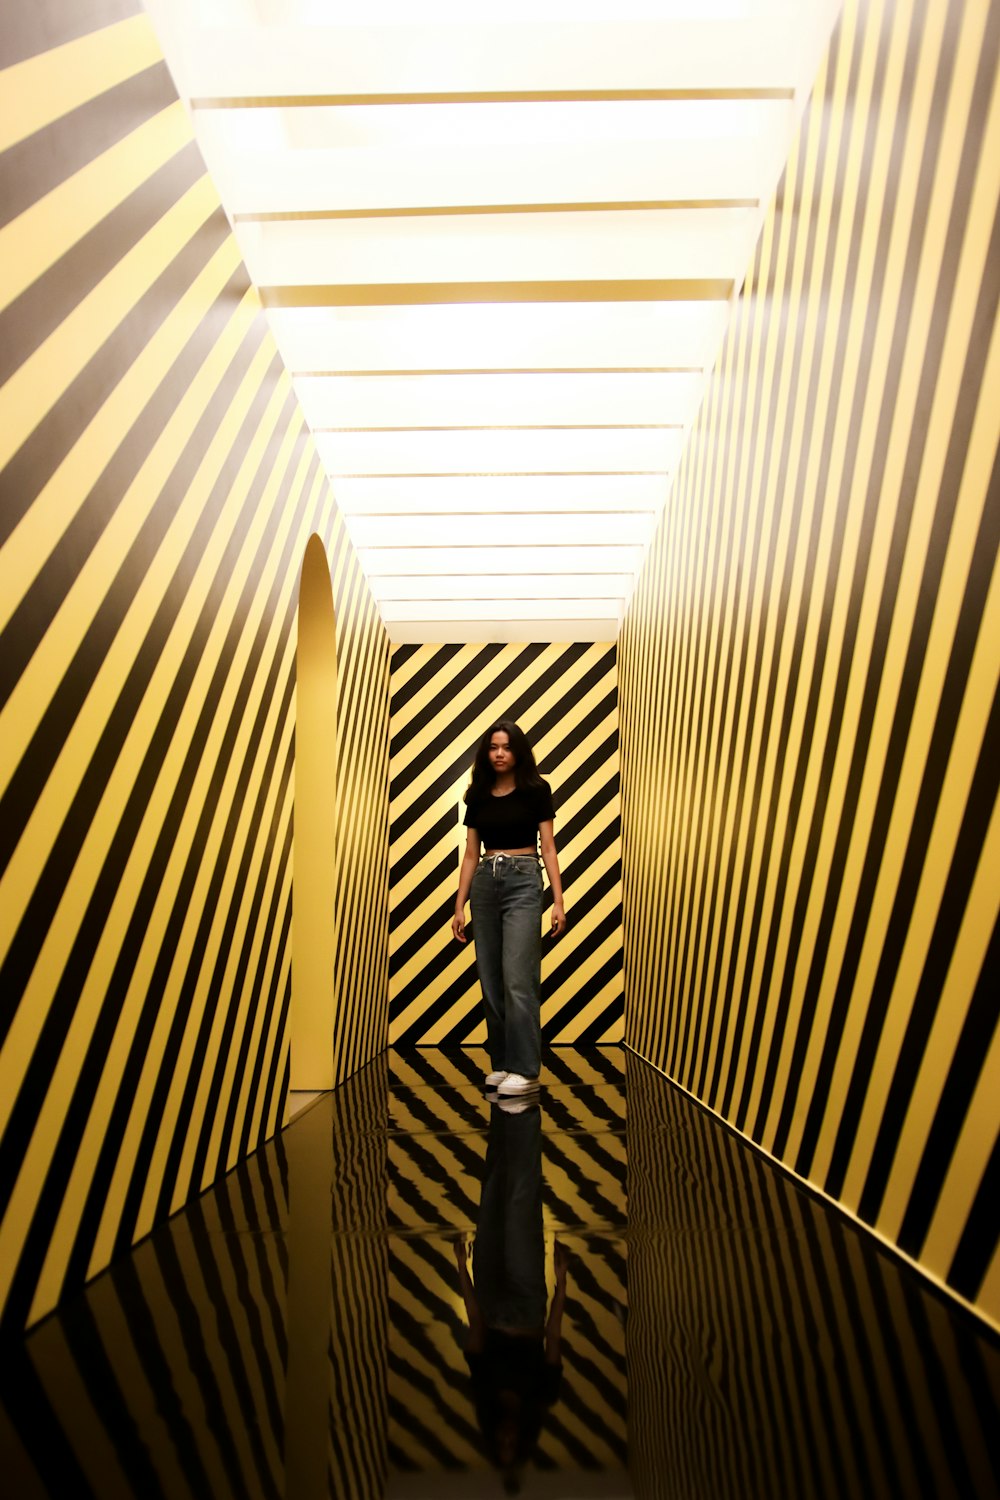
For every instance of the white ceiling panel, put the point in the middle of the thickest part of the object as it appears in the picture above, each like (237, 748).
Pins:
(502, 247)
(400, 12)
(516, 450)
(498, 609)
(475, 494)
(460, 632)
(766, 51)
(584, 336)
(398, 589)
(511, 558)
(498, 531)
(498, 259)
(497, 400)
(260, 180)
(406, 126)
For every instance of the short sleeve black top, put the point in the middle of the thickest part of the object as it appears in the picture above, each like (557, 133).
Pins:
(510, 821)
(511, 1363)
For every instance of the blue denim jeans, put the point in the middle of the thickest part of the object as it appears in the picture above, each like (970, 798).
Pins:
(508, 1261)
(506, 900)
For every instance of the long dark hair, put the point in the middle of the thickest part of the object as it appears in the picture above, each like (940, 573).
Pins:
(529, 1422)
(526, 773)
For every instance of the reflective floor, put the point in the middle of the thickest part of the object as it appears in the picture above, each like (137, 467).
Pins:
(417, 1292)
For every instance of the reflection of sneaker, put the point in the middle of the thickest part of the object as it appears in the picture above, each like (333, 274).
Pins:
(516, 1083)
(515, 1106)
(492, 1079)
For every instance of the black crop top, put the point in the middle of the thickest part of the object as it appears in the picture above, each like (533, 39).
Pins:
(510, 821)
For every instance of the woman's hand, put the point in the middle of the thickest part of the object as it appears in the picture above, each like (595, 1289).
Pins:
(551, 861)
(458, 926)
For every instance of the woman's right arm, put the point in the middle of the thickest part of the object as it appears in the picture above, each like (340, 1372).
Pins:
(477, 1328)
(469, 862)
(553, 1327)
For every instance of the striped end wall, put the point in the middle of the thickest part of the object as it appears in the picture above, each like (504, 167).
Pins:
(157, 491)
(436, 1162)
(442, 699)
(809, 667)
(793, 1357)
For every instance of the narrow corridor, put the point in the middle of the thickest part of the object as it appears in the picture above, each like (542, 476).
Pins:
(301, 1329)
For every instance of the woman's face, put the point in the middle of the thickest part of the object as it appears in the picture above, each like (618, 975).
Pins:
(501, 756)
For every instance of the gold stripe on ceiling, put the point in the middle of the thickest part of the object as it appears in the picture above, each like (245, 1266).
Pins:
(501, 572)
(435, 293)
(492, 546)
(510, 96)
(524, 427)
(534, 370)
(459, 210)
(375, 515)
(521, 598)
(510, 474)
(521, 573)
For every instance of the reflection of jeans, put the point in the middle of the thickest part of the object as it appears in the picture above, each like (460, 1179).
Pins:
(508, 1260)
(506, 900)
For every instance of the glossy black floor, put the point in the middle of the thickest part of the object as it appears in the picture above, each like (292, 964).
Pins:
(692, 1324)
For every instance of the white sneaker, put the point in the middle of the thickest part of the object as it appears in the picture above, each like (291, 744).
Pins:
(515, 1106)
(492, 1079)
(516, 1083)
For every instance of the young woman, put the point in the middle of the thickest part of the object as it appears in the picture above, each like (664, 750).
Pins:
(509, 812)
(513, 1349)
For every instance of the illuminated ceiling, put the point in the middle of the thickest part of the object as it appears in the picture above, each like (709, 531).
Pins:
(498, 259)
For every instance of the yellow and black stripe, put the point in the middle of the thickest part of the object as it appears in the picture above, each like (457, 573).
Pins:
(358, 1419)
(361, 971)
(157, 491)
(170, 1374)
(442, 699)
(773, 1349)
(436, 1154)
(809, 666)
(193, 1322)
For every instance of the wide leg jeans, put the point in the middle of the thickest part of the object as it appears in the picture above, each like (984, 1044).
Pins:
(508, 1261)
(506, 900)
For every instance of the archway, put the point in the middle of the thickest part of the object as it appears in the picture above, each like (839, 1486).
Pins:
(315, 829)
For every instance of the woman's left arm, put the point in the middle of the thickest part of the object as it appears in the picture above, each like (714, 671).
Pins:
(477, 1327)
(551, 861)
(553, 1327)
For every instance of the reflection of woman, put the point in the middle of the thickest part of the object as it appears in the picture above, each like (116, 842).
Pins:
(509, 810)
(513, 1350)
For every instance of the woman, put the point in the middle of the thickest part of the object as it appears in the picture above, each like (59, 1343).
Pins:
(509, 812)
(513, 1350)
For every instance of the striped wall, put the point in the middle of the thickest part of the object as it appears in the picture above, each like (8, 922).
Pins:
(170, 1375)
(442, 699)
(358, 1418)
(157, 490)
(193, 1323)
(775, 1352)
(361, 968)
(809, 667)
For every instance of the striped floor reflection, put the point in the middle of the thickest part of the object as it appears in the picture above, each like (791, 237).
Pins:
(441, 1127)
(302, 1331)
